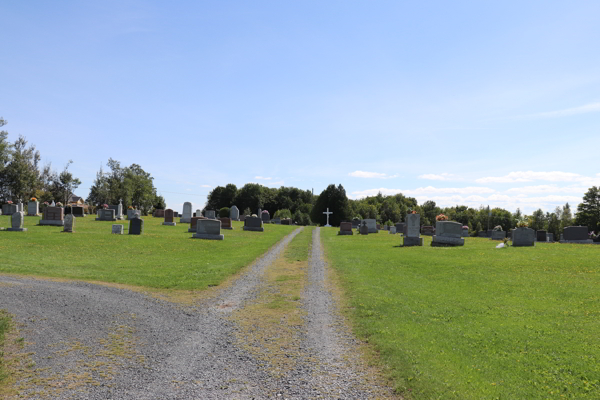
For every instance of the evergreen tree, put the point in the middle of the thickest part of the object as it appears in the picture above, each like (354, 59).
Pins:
(588, 212)
(335, 199)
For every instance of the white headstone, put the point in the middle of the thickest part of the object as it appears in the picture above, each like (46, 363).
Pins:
(327, 213)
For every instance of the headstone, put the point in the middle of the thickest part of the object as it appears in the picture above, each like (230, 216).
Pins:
(259, 213)
(131, 214)
(541, 236)
(53, 216)
(6, 209)
(198, 214)
(427, 230)
(242, 217)
(523, 237)
(17, 220)
(364, 228)
(13, 209)
(69, 223)
(210, 214)
(550, 237)
(345, 228)
(327, 213)
(448, 233)
(265, 217)
(355, 223)
(234, 213)
(226, 223)
(253, 224)
(187, 213)
(136, 226)
(576, 234)
(400, 227)
(117, 229)
(33, 208)
(20, 207)
(371, 225)
(208, 229)
(169, 215)
(392, 230)
(105, 214)
(118, 210)
(286, 221)
(412, 231)
(78, 211)
(465, 232)
(158, 213)
(193, 222)
(277, 221)
(482, 234)
(498, 235)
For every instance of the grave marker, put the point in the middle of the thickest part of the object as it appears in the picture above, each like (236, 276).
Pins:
(327, 213)
(105, 214)
(211, 214)
(17, 220)
(448, 233)
(412, 231)
(186, 217)
(169, 215)
(33, 208)
(136, 226)
(69, 223)
(234, 213)
(253, 224)
(53, 216)
(226, 223)
(117, 229)
(523, 237)
(194, 222)
(209, 229)
(576, 234)
(345, 228)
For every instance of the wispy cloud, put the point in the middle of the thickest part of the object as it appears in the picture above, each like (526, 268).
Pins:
(365, 174)
(529, 176)
(548, 189)
(205, 186)
(429, 190)
(444, 176)
(263, 178)
(567, 112)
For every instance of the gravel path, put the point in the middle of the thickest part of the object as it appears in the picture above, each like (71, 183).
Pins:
(96, 342)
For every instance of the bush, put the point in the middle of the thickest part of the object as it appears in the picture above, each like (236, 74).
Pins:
(224, 212)
(247, 211)
(283, 213)
(302, 218)
(389, 223)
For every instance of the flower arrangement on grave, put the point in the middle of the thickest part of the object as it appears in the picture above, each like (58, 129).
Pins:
(413, 212)
(265, 212)
(59, 204)
(33, 199)
(498, 228)
(130, 208)
(522, 223)
(441, 217)
(46, 203)
(105, 206)
(9, 202)
(465, 227)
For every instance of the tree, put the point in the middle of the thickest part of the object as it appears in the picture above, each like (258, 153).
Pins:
(537, 221)
(566, 218)
(5, 154)
(21, 173)
(588, 212)
(250, 196)
(221, 197)
(64, 184)
(554, 226)
(335, 199)
(139, 190)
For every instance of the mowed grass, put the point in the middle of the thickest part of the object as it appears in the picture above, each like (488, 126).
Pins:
(164, 257)
(475, 322)
(4, 325)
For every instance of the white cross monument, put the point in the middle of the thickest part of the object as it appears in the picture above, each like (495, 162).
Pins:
(327, 213)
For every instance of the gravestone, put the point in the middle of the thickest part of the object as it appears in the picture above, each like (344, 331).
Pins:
(482, 234)
(355, 223)
(465, 232)
(20, 207)
(193, 223)
(118, 210)
(78, 211)
(400, 227)
(541, 236)
(523, 237)
(277, 221)
(210, 214)
(327, 213)
(378, 227)
(265, 217)
(234, 213)
(53, 216)
(286, 221)
(17, 219)
(392, 230)
(448, 233)
(253, 224)
(169, 215)
(117, 229)
(136, 226)
(226, 223)
(6, 209)
(208, 229)
(187, 213)
(576, 234)
(498, 235)
(69, 223)
(259, 213)
(243, 217)
(131, 214)
(345, 228)
(105, 214)
(364, 228)
(550, 237)
(412, 231)
(158, 213)
(33, 208)
(371, 225)
(427, 230)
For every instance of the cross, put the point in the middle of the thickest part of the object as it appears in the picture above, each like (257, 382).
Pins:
(327, 213)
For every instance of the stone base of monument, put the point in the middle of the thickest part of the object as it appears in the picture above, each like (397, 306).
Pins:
(255, 229)
(17, 229)
(185, 220)
(345, 233)
(32, 215)
(589, 241)
(51, 222)
(412, 241)
(447, 241)
(227, 227)
(208, 236)
(170, 223)
(104, 219)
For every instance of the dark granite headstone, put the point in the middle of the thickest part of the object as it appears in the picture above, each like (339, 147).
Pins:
(541, 236)
(345, 228)
(136, 226)
(576, 233)
(253, 224)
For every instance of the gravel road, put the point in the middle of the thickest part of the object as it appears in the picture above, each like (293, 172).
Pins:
(91, 341)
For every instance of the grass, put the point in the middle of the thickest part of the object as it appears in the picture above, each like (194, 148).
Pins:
(164, 257)
(4, 326)
(475, 322)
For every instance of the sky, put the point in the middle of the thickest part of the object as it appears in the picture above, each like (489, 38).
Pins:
(470, 103)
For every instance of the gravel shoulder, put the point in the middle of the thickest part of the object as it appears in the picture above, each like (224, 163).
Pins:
(88, 341)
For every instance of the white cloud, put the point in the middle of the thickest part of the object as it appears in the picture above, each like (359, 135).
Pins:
(263, 178)
(528, 176)
(206, 186)
(422, 191)
(444, 176)
(548, 189)
(365, 174)
(567, 112)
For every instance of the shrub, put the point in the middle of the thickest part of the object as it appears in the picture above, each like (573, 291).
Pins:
(224, 212)
(247, 211)
(389, 223)
(283, 213)
(302, 218)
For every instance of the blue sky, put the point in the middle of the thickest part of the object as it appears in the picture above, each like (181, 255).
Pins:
(489, 103)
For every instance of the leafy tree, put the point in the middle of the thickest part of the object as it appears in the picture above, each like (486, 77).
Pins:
(21, 173)
(159, 203)
(224, 212)
(588, 211)
(5, 155)
(64, 184)
(537, 221)
(566, 218)
(250, 196)
(139, 190)
(335, 199)
(301, 218)
(221, 197)
(283, 213)
(554, 226)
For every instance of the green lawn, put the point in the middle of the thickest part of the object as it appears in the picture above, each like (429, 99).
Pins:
(4, 325)
(476, 322)
(163, 257)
